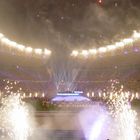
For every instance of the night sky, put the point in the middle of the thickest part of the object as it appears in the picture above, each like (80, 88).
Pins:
(68, 24)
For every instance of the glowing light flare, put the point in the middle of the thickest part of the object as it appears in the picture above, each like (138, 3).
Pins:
(38, 51)
(85, 53)
(74, 53)
(20, 47)
(13, 44)
(30, 95)
(5, 41)
(92, 51)
(1, 35)
(24, 95)
(92, 94)
(88, 95)
(127, 94)
(47, 52)
(36, 94)
(28, 49)
(119, 44)
(136, 35)
(102, 50)
(100, 1)
(128, 41)
(111, 96)
(104, 94)
(111, 47)
(137, 96)
(43, 95)
(100, 95)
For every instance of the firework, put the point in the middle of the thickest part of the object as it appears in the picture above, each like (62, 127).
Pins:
(125, 118)
(113, 120)
(14, 118)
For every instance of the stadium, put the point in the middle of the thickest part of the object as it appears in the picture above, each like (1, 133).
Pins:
(69, 70)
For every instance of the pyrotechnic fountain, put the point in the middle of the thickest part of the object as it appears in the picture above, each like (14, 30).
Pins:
(15, 122)
(124, 118)
(114, 120)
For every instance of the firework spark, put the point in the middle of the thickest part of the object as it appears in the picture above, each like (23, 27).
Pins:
(124, 116)
(117, 120)
(14, 118)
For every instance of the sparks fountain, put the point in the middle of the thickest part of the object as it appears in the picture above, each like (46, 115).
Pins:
(114, 120)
